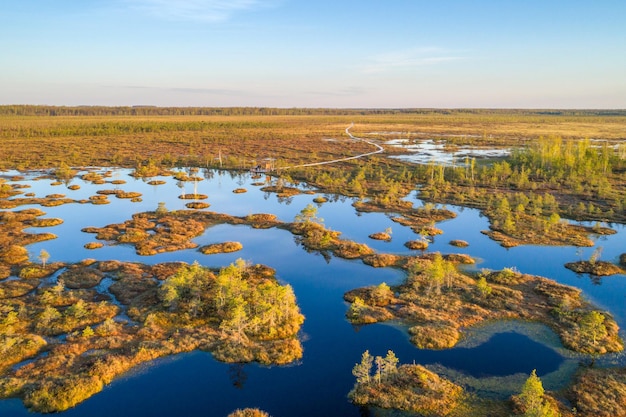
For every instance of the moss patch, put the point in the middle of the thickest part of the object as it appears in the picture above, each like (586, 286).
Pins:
(226, 247)
(598, 268)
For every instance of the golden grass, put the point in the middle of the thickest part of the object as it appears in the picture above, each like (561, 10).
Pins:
(380, 236)
(93, 245)
(599, 392)
(226, 247)
(597, 268)
(438, 302)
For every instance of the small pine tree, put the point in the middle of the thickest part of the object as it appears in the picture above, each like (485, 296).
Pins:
(308, 215)
(390, 363)
(483, 288)
(592, 326)
(382, 293)
(379, 368)
(356, 307)
(531, 396)
(87, 332)
(363, 369)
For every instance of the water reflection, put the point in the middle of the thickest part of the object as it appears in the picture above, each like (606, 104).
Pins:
(195, 384)
(440, 152)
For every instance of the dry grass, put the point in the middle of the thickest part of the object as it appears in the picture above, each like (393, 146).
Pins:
(93, 245)
(81, 277)
(416, 244)
(380, 236)
(597, 268)
(226, 247)
(197, 205)
(119, 140)
(600, 393)
(438, 308)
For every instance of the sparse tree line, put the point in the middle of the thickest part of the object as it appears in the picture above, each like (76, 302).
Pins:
(35, 110)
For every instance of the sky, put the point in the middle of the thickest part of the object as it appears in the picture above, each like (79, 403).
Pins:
(322, 53)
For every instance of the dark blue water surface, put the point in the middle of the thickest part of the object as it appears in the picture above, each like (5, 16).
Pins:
(194, 384)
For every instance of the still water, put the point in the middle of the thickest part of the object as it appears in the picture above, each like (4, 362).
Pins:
(194, 384)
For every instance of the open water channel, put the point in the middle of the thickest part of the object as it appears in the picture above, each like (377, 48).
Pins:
(495, 359)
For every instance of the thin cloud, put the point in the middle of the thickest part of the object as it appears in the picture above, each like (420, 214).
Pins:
(189, 90)
(200, 10)
(345, 92)
(408, 58)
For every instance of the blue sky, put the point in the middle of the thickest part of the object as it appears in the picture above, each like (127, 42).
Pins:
(295, 53)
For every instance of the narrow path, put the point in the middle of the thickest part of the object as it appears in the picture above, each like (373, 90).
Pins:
(379, 150)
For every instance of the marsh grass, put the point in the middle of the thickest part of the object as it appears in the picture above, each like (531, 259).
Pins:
(226, 247)
(97, 349)
(597, 268)
(437, 300)
(93, 245)
(46, 222)
(381, 236)
(599, 392)
(197, 205)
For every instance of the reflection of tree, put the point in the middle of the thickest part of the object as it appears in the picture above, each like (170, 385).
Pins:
(365, 412)
(595, 280)
(285, 200)
(117, 176)
(237, 375)
(208, 173)
(327, 255)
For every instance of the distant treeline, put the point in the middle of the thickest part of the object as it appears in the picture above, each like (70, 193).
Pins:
(32, 110)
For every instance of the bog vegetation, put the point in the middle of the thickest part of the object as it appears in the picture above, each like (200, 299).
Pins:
(240, 313)
(61, 341)
(437, 300)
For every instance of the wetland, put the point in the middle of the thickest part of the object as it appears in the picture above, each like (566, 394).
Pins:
(166, 289)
